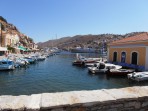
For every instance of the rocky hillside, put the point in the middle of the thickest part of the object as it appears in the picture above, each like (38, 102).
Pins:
(93, 41)
(12, 29)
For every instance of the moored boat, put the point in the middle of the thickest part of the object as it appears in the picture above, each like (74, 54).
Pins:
(104, 60)
(102, 67)
(81, 60)
(7, 64)
(41, 58)
(119, 72)
(138, 76)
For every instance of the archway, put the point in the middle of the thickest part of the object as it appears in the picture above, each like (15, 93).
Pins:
(115, 57)
(134, 58)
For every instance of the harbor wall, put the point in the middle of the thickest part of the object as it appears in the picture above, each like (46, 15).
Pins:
(123, 99)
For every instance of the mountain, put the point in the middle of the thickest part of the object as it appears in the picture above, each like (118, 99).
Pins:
(93, 41)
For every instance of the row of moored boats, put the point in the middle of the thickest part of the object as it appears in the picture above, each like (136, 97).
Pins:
(15, 61)
(100, 66)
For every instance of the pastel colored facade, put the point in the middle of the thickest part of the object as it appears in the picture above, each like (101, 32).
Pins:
(130, 52)
(11, 40)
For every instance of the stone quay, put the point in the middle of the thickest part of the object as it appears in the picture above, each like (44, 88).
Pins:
(123, 99)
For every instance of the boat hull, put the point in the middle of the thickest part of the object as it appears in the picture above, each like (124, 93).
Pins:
(119, 72)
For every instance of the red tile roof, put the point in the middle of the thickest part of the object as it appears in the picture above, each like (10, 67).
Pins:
(138, 37)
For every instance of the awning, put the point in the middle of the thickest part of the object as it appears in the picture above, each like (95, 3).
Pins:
(3, 49)
(22, 48)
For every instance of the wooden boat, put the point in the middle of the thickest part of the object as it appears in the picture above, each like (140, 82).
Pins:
(119, 72)
(138, 76)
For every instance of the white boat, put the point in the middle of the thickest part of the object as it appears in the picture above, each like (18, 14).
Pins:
(7, 64)
(138, 76)
(81, 60)
(20, 62)
(102, 67)
(29, 60)
(40, 58)
(104, 60)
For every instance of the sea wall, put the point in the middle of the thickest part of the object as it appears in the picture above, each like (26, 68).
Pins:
(123, 99)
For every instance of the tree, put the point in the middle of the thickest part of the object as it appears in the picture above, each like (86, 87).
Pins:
(1, 18)
(10, 48)
(31, 40)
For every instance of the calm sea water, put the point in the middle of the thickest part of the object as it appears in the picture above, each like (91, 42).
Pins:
(56, 74)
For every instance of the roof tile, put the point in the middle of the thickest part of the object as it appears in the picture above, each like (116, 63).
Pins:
(138, 37)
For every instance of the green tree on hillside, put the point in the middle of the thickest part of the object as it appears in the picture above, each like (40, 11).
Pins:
(1, 18)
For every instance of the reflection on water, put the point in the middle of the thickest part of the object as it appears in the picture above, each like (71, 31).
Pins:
(56, 74)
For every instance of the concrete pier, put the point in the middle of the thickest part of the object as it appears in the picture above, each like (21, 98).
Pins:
(124, 99)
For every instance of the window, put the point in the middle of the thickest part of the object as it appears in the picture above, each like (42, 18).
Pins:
(115, 57)
(123, 57)
(134, 58)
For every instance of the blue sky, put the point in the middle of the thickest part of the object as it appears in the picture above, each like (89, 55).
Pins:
(42, 20)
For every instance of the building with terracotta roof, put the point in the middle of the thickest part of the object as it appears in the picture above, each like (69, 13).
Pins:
(130, 52)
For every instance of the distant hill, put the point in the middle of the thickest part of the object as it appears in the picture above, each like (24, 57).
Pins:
(93, 41)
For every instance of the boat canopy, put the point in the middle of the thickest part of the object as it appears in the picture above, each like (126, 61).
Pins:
(22, 48)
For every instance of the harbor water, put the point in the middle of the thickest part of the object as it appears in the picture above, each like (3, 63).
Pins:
(56, 74)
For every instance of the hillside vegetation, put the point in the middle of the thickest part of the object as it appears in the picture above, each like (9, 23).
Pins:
(91, 41)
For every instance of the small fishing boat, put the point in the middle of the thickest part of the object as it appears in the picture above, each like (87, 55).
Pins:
(119, 72)
(21, 62)
(41, 58)
(30, 60)
(104, 60)
(138, 76)
(6, 64)
(81, 60)
(102, 67)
